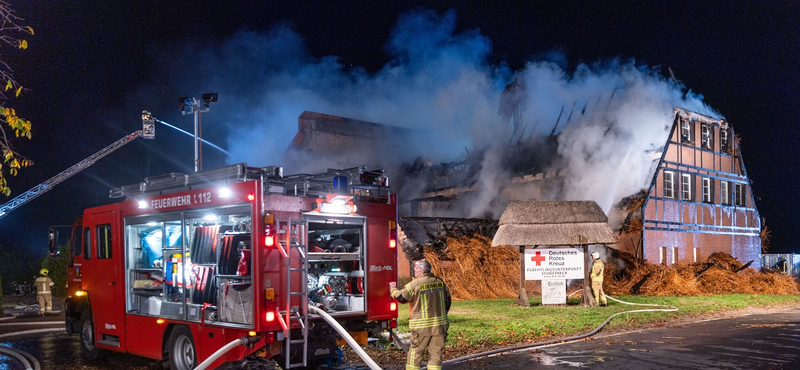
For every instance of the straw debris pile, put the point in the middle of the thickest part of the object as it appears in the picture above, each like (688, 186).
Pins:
(719, 274)
(473, 269)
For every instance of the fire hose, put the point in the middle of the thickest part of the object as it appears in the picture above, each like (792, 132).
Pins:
(564, 340)
(243, 341)
(357, 348)
(19, 356)
(246, 341)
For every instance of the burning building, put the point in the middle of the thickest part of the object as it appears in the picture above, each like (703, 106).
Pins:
(696, 199)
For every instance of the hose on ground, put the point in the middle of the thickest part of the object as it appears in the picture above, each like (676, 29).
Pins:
(243, 341)
(357, 348)
(31, 359)
(34, 331)
(564, 340)
(15, 354)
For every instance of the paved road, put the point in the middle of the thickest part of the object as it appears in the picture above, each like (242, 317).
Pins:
(753, 341)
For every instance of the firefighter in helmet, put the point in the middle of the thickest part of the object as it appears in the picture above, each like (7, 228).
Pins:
(597, 280)
(430, 301)
(44, 292)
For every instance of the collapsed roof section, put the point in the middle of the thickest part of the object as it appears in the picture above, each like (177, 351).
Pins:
(341, 142)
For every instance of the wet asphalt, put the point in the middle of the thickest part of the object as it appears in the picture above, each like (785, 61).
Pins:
(761, 340)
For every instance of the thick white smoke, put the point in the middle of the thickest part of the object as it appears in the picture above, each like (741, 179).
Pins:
(440, 84)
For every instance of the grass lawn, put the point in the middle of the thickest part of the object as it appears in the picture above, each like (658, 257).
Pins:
(500, 322)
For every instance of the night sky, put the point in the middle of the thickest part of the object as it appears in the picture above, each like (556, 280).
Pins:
(93, 68)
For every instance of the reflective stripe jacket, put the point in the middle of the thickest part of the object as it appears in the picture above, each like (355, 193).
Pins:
(597, 270)
(43, 284)
(429, 301)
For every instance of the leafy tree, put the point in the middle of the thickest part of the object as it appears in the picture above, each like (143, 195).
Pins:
(57, 265)
(11, 34)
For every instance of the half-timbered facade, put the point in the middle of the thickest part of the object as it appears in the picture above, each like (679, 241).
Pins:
(700, 200)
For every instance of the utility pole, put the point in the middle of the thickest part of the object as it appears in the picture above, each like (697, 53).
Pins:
(191, 105)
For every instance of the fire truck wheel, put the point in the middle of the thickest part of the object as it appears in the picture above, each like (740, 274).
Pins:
(90, 351)
(182, 353)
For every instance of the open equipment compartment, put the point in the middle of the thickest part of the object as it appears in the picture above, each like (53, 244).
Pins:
(336, 260)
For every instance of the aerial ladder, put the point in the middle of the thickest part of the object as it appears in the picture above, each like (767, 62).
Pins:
(147, 132)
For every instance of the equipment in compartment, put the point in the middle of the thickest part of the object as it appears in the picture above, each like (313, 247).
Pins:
(229, 252)
(236, 301)
(335, 290)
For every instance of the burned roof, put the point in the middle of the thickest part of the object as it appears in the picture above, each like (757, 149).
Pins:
(553, 223)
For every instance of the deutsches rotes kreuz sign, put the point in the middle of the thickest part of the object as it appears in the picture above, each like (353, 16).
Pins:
(553, 263)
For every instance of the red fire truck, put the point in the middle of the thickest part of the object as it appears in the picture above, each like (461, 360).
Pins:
(190, 263)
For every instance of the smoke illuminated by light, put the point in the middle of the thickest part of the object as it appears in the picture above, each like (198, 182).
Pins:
(440, 84)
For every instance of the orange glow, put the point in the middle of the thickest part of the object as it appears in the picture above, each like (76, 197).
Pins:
(270, 316)
(251, 197)
(160, 321)
(269, 240)
(252, 333)
(392, 243)
(393, 306)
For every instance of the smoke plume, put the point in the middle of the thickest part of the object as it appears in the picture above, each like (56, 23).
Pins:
(439, 84)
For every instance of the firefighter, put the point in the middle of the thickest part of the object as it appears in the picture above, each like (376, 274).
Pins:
(782, 265)
(43, 292)
(429, 301)
(597, 280)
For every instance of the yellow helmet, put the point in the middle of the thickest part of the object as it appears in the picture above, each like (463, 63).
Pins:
(44, 272)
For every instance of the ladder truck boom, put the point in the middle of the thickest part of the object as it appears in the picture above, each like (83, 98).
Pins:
(69, 172)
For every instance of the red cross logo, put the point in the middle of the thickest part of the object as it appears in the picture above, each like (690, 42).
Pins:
(538, 258)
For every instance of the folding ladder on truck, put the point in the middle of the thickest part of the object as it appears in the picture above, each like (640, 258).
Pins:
(293, 236)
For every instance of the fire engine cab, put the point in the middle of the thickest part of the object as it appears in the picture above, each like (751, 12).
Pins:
(189, 263)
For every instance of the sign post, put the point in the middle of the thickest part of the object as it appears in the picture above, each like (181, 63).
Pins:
(553, 266)
(522, 298)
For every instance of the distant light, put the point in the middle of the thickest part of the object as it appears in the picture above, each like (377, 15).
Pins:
(338, 201)
(251, 197)
(142, 204)
(210, 217)
(159, 321)
(152, 223)
(224, 192)
(80, 293)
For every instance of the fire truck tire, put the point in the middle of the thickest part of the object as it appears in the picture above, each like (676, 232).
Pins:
(90, 350)
(182, 352)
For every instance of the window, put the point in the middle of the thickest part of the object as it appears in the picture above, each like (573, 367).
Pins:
(104, 241)
(707, 133)
(687, 187)
(723, 140)
(739, 195)
(724, 192)
(662, 255)
(87, 243)
(669, 184)
(674, 258)
(694, 256)
(708, 190)
(686, 130)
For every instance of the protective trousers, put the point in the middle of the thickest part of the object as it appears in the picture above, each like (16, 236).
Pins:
(434, 344)
(45, 302)
(597, 290)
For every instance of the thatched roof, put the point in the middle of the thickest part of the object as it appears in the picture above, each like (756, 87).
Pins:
(553, 223)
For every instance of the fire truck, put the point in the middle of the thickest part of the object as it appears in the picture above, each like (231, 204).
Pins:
(187, 264)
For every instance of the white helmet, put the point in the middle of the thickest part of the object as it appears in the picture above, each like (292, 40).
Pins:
(595, 255)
